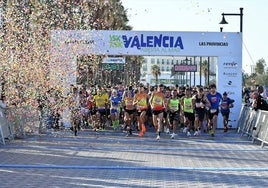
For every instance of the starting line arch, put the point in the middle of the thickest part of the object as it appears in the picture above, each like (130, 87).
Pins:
(66, 45)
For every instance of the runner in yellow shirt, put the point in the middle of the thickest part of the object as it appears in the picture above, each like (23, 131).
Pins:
(101, 101)
(157, 104)
(187, 106)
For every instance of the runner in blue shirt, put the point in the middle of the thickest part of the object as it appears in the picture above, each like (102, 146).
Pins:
(226, 104)
(214, 98)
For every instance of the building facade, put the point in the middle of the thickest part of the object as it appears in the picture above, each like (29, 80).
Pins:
(205, 70)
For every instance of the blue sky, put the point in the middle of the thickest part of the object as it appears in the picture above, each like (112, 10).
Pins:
(205, 15)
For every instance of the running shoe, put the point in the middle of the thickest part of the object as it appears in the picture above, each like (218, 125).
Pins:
(115, 127)
(225, 129)
(185, 130)
(196, 133)
(167, 131)
(143, 128)
(212, 133)
(188, 133)
(158, 137)
(172, 135)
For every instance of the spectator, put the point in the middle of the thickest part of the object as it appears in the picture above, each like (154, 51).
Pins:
(3, 105)
(259, 102)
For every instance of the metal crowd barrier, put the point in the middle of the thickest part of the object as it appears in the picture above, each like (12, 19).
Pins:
(5, 128)
(16, 122)
(260, 131)
(254, 124)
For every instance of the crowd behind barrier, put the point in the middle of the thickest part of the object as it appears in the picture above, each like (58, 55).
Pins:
(254, 124)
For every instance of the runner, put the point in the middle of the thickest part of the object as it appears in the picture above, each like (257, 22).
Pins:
(140, 100)
(200, 103)
(187, 107)
(166, 123)
(214, 98)
(115, 103)
(74, 106)
(226, 104)
(173, 107)
(101, 100)
(157, 104)
(83, 94)
(129, 110)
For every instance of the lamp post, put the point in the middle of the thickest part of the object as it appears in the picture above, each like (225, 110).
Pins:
(223, 21)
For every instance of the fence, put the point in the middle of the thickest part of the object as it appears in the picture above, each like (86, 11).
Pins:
(254, 124)
(5, 131)
(16, 122)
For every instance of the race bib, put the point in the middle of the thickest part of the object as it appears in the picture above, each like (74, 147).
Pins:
(213, 110)
(199, 105)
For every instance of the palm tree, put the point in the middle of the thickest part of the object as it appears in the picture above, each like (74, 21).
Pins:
(204, 70)
(156, 72)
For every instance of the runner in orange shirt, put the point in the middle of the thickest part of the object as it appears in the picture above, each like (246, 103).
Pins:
(141, 103)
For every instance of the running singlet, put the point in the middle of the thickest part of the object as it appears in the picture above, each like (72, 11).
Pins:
(158, 101)
(225, 105)
(174, 104)
(115, 100)
(129, 103)
(199, 102)
(187, 105)
(101, 100)
(142, 101)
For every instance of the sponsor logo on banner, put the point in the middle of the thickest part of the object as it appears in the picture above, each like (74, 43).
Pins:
(230, 74)
(230, 93)
(213, 43)
(121, 60)
(229, 84)
(146, 41)
(230, 65)
(185, 68)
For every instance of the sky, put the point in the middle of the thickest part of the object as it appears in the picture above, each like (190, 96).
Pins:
(205, 15)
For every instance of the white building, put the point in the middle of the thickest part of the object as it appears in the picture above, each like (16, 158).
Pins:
(166, 63)
(252, 69)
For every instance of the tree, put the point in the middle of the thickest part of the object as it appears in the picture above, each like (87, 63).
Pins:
(245, 77)
(260, 66)
(156, 72)
(204, 70)
(134, 66)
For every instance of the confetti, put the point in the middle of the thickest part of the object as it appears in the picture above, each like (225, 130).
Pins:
(26, 69)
